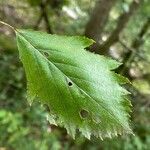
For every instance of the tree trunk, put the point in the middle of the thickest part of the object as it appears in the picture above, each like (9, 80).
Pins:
(98, 20)
(122, 21)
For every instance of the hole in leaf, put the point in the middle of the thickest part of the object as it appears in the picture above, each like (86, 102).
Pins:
(46, 54)
(47, 108)
(84, 113)
(70, 83)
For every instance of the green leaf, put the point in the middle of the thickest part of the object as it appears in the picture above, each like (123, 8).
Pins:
(80, 88)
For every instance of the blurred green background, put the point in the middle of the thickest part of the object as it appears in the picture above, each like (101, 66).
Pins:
(121, 30)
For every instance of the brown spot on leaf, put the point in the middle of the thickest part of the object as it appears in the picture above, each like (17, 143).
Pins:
(84, 113)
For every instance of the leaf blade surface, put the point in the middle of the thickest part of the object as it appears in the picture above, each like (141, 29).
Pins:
(71, 80)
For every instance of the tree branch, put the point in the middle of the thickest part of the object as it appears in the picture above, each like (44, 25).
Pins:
(38, 21)
(44, 16)
(125, 46)
(122, 21)
(98, 20)
(135, 45)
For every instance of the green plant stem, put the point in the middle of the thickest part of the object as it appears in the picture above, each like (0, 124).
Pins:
(8, 25)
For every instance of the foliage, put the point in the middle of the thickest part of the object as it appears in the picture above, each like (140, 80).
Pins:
(80, 95)
(28, 127)
(38, 133)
